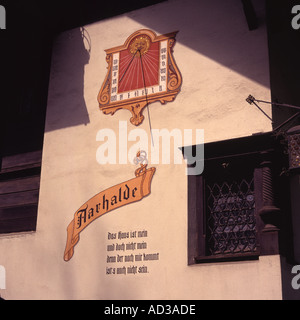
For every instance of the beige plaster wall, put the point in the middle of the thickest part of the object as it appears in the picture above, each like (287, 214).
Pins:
(221, 63)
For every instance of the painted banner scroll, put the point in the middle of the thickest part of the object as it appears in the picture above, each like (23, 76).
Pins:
(110, 199)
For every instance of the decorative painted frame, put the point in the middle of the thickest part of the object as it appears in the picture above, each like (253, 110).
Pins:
(136, 100)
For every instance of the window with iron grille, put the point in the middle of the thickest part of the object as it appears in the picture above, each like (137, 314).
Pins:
(230, 220)
(227, 210)
(233, 210)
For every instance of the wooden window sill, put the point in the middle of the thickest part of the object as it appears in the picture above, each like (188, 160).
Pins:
(227, 257)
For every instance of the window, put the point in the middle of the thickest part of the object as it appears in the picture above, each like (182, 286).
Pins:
(233, 207)
(230, 215)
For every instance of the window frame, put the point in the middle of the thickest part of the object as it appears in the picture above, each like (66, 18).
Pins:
(263, 152)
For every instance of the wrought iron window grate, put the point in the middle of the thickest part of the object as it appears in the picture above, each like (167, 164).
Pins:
(231, 223)
(294, 149)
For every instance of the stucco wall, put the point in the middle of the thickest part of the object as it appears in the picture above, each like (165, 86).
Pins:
(221, 63)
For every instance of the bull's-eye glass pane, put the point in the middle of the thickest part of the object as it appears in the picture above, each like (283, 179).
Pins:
(231, 224)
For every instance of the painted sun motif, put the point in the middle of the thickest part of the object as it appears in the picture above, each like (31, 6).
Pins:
(140, 43)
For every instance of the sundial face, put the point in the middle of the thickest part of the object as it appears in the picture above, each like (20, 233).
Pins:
(140, 72)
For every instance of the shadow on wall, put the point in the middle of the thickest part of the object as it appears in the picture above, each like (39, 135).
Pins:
(71, 52)
(217, 31)
(213, 31)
